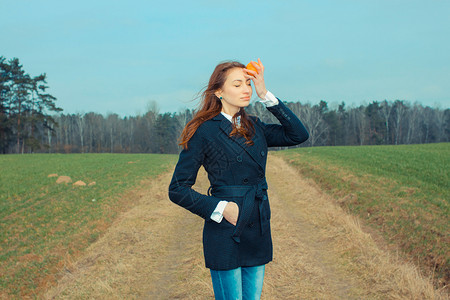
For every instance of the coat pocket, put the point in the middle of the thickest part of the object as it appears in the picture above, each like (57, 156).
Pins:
(238, 201)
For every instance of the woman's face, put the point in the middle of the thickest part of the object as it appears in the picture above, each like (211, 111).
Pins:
(236, 91)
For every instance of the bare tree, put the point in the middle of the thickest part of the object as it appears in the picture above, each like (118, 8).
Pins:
(112, 121)
(386, 110)
(359, 125)
(399, 113)
(440, 125)
(314, 123)
(412, 120)
(81, 124)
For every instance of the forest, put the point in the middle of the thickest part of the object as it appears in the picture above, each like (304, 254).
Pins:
(30, 122)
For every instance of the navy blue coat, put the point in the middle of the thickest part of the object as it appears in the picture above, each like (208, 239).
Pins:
(236, 172)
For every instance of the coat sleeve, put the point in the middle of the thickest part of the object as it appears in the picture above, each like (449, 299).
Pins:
(184, 177)
(291, 131)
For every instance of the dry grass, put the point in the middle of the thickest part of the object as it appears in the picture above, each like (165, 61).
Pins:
(154, 251)
(324, 253)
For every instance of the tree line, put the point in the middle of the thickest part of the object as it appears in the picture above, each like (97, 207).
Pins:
(388, 123)
(30, 122)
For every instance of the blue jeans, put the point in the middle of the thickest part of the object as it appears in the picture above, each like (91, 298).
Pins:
(243, 283)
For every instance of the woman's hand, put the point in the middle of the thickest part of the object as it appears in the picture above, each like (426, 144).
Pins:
(258, 78)
(231, 213)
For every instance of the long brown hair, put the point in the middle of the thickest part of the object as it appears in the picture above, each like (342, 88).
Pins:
(211, 106)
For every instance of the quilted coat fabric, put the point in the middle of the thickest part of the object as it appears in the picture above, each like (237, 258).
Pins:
(236, 172)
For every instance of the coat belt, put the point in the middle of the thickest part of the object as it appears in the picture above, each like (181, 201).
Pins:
(250, 195)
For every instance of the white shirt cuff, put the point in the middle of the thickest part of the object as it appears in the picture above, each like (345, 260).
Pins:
(217, 214)
(269, 100)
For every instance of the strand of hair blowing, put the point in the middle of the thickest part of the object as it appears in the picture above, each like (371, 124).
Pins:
(211, 107)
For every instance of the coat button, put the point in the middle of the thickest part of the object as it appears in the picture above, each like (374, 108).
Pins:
(263, 153)
(251, 224)
(245, 180)
(239, 158)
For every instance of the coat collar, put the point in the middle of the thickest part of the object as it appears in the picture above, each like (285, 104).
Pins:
(219, 117)
(254, 151)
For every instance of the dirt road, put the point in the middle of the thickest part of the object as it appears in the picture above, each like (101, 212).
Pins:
(154, 251)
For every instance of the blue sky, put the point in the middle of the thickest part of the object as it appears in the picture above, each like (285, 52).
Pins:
(112, 56)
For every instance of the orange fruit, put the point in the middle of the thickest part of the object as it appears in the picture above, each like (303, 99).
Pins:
(251, 67)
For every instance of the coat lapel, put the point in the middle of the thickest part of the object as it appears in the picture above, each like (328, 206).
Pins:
(256, 151)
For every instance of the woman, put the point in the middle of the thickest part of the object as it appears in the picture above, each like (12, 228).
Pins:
(232, 147)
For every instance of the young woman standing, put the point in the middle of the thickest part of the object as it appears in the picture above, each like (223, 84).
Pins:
(232, 147)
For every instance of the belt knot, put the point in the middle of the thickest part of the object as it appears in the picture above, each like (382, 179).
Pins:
(259, 194)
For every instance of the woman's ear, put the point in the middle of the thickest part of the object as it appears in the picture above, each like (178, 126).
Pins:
(218, 93)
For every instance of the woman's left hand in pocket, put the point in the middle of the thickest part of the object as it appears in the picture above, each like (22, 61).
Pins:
(231, 213)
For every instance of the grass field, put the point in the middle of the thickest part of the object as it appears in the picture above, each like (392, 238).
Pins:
(402, 191)
(45, 225)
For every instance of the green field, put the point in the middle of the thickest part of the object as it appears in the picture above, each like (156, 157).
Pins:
(402, 191)
(44, 224)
